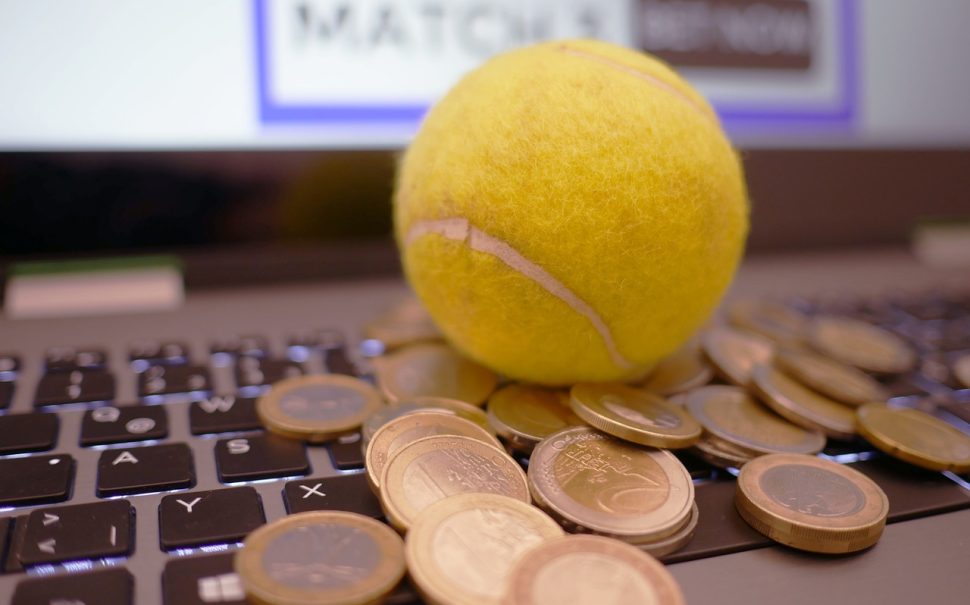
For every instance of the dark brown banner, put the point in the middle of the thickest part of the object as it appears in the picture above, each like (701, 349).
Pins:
(752, 34)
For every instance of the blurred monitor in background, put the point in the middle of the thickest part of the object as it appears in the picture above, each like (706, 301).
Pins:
(183, 123)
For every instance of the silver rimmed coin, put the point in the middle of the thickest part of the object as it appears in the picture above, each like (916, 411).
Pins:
(321, 557)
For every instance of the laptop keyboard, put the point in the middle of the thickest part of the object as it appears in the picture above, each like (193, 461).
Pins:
(185, 435)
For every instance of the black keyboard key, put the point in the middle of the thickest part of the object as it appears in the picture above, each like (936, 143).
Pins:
(210, 517)
(337, 362)
(145, 469)
(223, 414)
(913, 492)
(256, 371)
(260, 457)
(250, 345)
(75, 386)
(21, 433)
(202, 581)
(122, 424)
(155, 352)
(346, 452)
(159, 380)
(65, 359)
(6, 394)
(344, 492)
(36, 479)
(107, 587)
(6, 532)
(16, 539)
(79, 531)
(9, 364)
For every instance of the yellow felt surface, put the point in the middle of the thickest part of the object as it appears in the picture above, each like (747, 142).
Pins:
(626, 191)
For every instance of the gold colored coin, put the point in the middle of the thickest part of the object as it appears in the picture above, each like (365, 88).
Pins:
(423, 404)
(579, 570)
(773, 320)
(434, 370)
(524, 415)
(730, 414)
(317, 408)
(686, 369)
(801, 405)
(390, 438)
(461, 549)
(456, 407)
(634, 415)
(321, 557)
(388, 413)
(404, 324)
(839, 381)
(734, 353)
(861, 344)
(916, 437)
(811, 504)
(610, 487)
(721, 454)
(433, 468)
(961, 370)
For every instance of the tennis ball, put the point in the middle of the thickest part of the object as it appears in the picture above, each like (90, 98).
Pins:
(570, 211)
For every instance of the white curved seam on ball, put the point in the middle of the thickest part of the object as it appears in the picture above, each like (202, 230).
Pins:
(651, 79)
(460, 229)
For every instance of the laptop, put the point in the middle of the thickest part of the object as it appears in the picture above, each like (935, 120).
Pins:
(192, 213)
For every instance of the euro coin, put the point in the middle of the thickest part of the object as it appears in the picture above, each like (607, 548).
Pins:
(579, 570)
(721, 454)
(433, 468)
(811, 504)
(321, 557)
(524, 415)
(839, 381)
(916, 437)
(861, 344)
(606, 486)
(773, 320)
(961, 370)
(461, 549)
(634, 415)
(423, 404)
(734, 353)
(390, 438)
(686, 369)
(317, 408)
(730, 414)
(435, 370)
(801, 405)
(404, 324)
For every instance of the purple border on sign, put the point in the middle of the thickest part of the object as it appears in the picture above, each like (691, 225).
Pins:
(271, 112)
(840, 113)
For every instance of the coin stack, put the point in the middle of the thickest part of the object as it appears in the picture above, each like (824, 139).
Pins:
(598, 459)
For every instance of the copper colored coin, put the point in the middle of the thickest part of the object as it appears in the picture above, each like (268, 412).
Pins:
(839, 381)
(861, 344)
(916, 437)
(811, 504)
(433, 468)
(610, 487)
(579, 570)
(735, 354)
(435, 370)
(801, 405)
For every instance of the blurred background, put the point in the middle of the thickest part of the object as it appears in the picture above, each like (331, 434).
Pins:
(269, 127)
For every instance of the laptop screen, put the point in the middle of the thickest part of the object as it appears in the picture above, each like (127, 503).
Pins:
(185, 123)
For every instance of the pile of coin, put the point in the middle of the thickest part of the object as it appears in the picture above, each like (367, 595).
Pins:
(761, 395)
